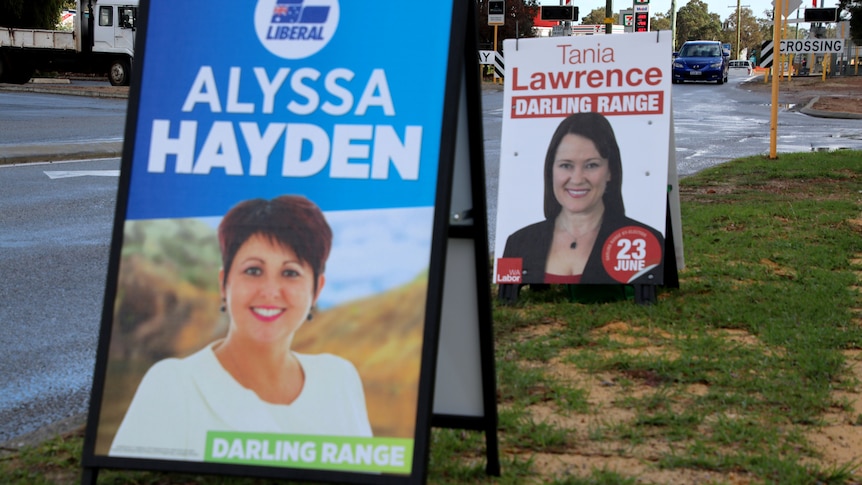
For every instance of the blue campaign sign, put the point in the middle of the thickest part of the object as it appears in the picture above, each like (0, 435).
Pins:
(311, 97)
(285, 161)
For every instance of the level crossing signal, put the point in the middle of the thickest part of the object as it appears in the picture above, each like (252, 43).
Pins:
(561, 12)
(821, 14)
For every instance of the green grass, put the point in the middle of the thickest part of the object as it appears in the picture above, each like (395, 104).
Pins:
(724, 377)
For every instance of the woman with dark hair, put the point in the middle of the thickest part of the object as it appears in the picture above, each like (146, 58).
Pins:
(583, 207)
(274, 254)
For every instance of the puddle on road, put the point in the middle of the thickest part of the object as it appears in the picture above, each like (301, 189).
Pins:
(784, 106)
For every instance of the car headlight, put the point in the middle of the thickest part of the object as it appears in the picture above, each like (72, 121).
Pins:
(678, 65)
(716, 65)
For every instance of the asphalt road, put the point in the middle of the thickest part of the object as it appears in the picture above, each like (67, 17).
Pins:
(55, 238)
(47, 116)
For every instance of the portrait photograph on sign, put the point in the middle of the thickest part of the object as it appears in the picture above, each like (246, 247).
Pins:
(275, 317)
(267, 299)
(583, 185)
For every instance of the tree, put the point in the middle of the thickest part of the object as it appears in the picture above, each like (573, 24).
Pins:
(853, 8)
(519, 13)
(31, 14)
(750, 34)
(597, 17)
(765, 26)
(695, 22)
(659, 21)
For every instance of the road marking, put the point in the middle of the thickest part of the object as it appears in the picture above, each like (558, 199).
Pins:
(64, 174)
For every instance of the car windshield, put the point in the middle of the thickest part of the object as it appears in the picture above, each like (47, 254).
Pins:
(699, 51)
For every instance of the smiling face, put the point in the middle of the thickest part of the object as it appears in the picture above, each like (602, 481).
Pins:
(268, 291)
(580, 175)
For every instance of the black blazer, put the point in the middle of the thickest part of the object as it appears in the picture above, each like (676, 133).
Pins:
(532, 243)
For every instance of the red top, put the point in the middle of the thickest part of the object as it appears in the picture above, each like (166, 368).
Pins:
(562, 279)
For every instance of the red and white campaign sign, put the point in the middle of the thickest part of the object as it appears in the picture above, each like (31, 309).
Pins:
(584, 159)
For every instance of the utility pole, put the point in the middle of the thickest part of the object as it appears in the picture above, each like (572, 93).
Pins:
(739, 28)
(609, 14)
(738, 17)
(673, 24)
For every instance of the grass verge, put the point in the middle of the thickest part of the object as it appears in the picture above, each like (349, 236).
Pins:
(738, 376)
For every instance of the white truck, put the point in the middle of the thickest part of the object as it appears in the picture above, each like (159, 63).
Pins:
(102, 41)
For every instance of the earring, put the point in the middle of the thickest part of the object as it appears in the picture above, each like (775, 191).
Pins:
(223, 308)
(310, 316)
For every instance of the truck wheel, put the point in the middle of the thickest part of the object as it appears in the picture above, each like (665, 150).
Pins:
(120, 73)
(22, 76)
(20, 73)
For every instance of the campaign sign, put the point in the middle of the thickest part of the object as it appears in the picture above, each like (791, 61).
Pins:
(584, 160)
(266, 310)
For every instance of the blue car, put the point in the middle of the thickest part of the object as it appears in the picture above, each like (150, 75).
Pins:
(700, 60)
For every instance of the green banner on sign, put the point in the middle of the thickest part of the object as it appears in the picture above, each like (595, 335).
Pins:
(337, 453)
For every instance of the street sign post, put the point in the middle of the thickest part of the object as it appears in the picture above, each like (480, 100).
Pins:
(788, 6)
(496, 12)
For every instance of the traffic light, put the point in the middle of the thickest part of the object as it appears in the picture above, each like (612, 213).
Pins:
(562, 12)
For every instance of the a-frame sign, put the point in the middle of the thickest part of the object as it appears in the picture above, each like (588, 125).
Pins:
(295, 242)
(465, 387)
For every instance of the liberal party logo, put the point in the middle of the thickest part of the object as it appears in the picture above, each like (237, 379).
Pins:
(295, 29)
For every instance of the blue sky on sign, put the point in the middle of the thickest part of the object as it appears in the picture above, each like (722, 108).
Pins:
(723, 8)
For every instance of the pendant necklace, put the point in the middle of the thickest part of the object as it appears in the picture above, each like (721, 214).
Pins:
(574, 244)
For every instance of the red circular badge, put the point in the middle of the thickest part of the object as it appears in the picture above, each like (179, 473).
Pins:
(629, 252)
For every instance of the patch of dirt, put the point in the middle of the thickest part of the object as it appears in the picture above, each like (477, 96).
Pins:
(838, 440)
(840, 94)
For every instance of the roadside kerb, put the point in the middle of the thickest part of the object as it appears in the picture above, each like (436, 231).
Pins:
(67, 89)
(16, 154)
(819, 113)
